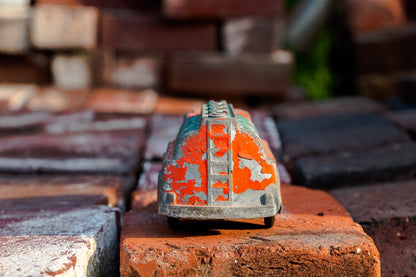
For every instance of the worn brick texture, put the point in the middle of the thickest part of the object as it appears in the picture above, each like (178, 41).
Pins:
(294, 246)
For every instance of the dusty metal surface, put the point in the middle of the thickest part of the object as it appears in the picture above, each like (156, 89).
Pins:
(219, 168)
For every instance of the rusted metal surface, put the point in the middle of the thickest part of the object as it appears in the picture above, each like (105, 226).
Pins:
(218, 167)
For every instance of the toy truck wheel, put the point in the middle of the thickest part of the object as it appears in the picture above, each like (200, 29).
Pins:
(269, 221)
(173, 222)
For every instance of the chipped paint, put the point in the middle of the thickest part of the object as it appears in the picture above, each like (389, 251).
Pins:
(218, 160)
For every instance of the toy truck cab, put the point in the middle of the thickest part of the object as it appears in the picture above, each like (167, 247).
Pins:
(218, 168)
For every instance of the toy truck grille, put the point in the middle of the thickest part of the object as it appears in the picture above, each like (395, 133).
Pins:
(218, 168)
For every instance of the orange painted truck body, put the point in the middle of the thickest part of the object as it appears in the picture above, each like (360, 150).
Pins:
(219, 168)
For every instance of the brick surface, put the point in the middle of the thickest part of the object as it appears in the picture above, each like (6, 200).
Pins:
(84, 152)
(396, 243)
(252, 34)
(30, 68)
(113, 124)
(12, 123)
(344, 132)
(288, 111)
(294, 246)
(57, 100)
(220, 8)
(129, 30)
(177, 106)
(121, 101)
(214, 74)
(364, 16)
(379, 202)
(49, 243)
(129, 4)
(132, 70)
(14, 29)
(54, 26)
(405, 119)
(71, 71)
(15, 96)
(371, 49)
(163, 129)
(387, 212)
(34, 193)
(387, 163)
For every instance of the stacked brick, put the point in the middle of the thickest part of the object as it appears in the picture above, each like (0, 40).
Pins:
(209, 48)
(383, 36)
(365, 156)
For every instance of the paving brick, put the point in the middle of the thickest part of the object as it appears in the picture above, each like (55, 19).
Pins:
(57, 99)
(176, 105)
(163, 129)
(252, 34)
(215, 74)
(388, 163)
(387, 212)
(386, 50)
(396, 243)
(79, 242)
(146, 194)
(343, 132)
(55, 27)
(405, 119)
(83, 153)
(115, 124)
(71, 71)
(220, 8)
(379, 85)
(121, 101)
(364, 16)
(36, 193)
(129, 4)
(15, 96)
(29, 69)
(132, 70)
(130, 30)
(14, 28)
(12, 123)
(379, 202)
(306, 240)
(341, 105)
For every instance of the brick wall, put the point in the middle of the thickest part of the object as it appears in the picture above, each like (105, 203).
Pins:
(81, 44)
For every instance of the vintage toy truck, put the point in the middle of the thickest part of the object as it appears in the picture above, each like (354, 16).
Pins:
(219, 168)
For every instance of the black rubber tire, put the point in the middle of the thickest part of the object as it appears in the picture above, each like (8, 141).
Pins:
(173, 222)
(269, 222)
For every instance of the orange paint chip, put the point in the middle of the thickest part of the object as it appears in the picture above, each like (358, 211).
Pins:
(221, 198)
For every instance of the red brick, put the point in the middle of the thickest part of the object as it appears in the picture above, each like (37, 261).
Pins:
(14, 25)
(129, 4)
(14, 97)
(316, 238)
(214, 74)
(84, 152)
(163, 129)
(121, 101)
(132, 70)
(56, 27)
(78, 242)
(71, 71)
(129, 30)
(287, 111)
(386, 50)
(371, 15)
(392, 162)
(33, 193)
(177, 106)
(387, 212)
(405, 119)
(185, 9)
(57, 100)
(31, 68)
(252, 34)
